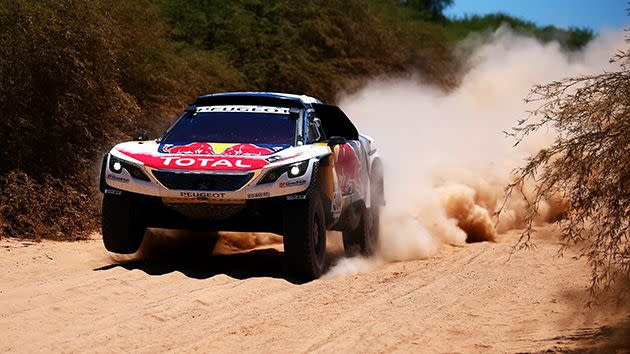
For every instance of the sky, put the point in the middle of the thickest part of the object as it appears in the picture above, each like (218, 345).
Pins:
(596, 14)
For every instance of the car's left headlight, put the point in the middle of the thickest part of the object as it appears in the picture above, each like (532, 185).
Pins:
(293, 170)
(116, 165)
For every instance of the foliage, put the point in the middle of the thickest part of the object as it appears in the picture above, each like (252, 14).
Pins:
(425, 43)
(33, 209)
(587, 165)
(319, 47)
(571, 39)
(434, 8)
(75, 76)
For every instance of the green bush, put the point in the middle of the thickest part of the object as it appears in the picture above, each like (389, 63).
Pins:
(74, 77)
(317, 48)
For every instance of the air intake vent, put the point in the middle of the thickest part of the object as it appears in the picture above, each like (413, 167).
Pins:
(202, 182)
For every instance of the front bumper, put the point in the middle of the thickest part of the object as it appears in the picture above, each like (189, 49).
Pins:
(183, 186)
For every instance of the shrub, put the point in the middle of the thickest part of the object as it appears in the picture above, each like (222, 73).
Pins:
(588, 165)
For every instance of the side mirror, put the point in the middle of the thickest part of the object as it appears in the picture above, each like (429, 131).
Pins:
(336, 140)
(140, 136)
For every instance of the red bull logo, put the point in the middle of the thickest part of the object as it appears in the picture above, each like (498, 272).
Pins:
(228, 163)
(348, 169)
(215, 149)
(247, 149)
(192, 148)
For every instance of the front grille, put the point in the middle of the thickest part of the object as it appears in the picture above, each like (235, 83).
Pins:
(202, 181)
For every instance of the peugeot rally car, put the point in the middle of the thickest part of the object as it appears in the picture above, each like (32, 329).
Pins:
(249, 162)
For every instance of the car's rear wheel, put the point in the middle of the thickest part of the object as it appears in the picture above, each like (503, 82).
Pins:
(363, 239)
(123, 224)
(305, 237)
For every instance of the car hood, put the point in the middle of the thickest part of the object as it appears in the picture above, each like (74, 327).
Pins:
(207, 156)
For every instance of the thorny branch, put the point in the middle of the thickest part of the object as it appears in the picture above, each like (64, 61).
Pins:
(588, 164)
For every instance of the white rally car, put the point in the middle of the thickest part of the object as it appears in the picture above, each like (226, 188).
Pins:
(250, 162)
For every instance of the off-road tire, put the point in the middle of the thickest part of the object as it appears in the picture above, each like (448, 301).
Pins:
(123, 224)
(363, 240)
(305, 237)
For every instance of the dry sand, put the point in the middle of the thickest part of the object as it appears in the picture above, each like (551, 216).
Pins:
(73, 297)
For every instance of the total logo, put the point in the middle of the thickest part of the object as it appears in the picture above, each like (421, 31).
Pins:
(204, 162)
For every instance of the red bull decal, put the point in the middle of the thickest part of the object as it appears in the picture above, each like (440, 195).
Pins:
(192, 148)
(348, 169)
(200, 148)
(247, 149)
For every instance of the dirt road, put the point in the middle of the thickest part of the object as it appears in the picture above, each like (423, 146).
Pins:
(73, 297)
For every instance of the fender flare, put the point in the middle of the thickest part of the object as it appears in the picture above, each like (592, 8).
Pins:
(377, 183)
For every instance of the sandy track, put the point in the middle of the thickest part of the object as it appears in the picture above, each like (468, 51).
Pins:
(73, 297)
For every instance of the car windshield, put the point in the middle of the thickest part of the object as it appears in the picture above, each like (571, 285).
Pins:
(233, 127)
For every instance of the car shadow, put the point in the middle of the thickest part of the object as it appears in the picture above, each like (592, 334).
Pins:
(203, 255)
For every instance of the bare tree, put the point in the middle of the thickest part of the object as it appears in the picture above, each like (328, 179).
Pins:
(588, 164)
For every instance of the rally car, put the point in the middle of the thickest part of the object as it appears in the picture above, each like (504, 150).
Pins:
(249, 162)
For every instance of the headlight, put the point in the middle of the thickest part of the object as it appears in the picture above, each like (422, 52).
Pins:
(116, 165)
(293, 170)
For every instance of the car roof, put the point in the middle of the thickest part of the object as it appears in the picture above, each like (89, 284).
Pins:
(257, 98)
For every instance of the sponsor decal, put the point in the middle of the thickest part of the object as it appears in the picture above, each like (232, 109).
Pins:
(118, 179)
(202, 195)
(296, 197)
(246, 149)
(204, 162)
(113, 191)
(276, 158)
(348, 167)
(192, 148)
(200, 148)
(194, 162)
(258, 195)
(299, 182)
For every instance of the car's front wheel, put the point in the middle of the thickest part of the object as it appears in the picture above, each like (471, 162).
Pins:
(305, 237)
(123, 224)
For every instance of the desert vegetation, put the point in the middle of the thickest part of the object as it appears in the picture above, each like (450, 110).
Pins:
(587, 165)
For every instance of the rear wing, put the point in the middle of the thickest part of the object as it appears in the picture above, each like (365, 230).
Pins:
(335, 122)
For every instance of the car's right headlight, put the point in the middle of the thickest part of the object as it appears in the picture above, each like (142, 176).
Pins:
(293, 170)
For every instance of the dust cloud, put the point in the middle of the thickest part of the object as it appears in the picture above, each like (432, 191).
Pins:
(446, 158)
